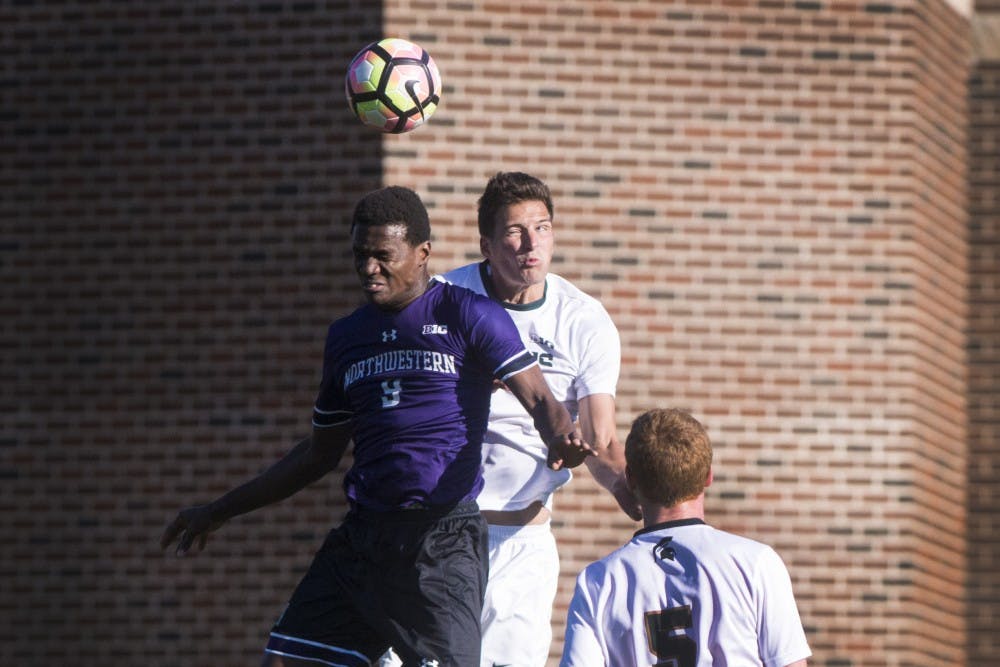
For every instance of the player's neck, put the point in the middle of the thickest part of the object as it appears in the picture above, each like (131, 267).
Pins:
(689, 509)
(519, 293)
(529, 294)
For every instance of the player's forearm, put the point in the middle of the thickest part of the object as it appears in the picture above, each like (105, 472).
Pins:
(549, 415)
(608, 467)
(301, 466)
(551, 418)
(597, 424)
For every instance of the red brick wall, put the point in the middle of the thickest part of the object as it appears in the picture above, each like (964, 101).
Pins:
(934, 336)
(769, 197)
(175, 180)
(984, 361)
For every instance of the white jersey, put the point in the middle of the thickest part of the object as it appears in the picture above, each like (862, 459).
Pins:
(579, 352)
(683, 593)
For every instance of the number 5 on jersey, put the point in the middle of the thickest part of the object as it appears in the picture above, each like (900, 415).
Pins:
(671, 650)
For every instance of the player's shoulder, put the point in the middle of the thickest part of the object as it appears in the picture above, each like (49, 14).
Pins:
(753, 554)
(349, 330)
(609, 568)
(574, 304)
(352, 319)
(696, 535)
(464, 300)
(468, 276)
(455, 291)
(562, 290)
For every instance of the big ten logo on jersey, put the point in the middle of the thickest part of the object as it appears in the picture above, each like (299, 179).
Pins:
(543, 358)
(441, 329)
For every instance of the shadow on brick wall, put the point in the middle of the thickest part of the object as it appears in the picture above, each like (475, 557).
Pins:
(177, 180)
(984, 362)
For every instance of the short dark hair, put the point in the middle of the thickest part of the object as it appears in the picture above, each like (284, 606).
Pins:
(669, 456)
(394, 205)
(507, 188)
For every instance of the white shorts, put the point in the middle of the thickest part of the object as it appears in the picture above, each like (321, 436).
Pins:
(517, 612)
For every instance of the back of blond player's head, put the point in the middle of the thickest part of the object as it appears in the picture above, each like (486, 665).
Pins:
(669, 456)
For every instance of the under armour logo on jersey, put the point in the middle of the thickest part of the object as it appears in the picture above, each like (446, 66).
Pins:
(435, 329)
(388, 335)
(429, 663)
(664, 550)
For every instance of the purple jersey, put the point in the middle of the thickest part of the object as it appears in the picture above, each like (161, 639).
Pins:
(416, 385)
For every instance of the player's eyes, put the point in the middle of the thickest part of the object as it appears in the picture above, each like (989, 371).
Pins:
(360, 257)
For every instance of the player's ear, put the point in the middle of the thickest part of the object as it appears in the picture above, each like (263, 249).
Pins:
(484, 247)
(711, 476)
(629, 481)
(424, 251)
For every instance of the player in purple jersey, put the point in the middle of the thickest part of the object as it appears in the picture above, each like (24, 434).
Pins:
(407, 378)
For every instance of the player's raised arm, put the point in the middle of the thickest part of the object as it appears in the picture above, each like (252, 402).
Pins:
(567, 449)
(305, 463)
(597, 424)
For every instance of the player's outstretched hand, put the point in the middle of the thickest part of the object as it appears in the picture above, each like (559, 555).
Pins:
(568, 451)
(192, 525)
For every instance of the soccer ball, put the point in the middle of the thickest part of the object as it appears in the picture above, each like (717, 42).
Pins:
(393, 85)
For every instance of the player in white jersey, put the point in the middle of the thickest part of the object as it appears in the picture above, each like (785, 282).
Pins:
(578, 349)
(682, 593)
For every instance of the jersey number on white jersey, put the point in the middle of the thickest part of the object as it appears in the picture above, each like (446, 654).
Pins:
(671, 650)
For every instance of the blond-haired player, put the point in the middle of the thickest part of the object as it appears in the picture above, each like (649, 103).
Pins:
(681, 593)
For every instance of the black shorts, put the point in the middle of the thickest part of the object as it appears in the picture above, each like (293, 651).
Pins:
(410, 579)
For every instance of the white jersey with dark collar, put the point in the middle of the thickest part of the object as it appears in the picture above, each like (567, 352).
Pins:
(578, 349)
(684, 593)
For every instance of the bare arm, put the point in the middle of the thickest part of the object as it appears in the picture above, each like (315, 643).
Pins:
(554, 424)
(305, 463)
(597, 423)
(797, 663)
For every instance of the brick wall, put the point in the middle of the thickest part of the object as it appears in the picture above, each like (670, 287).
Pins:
(769, 197)
(984, 355)
(932, 336)
(175, 178)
